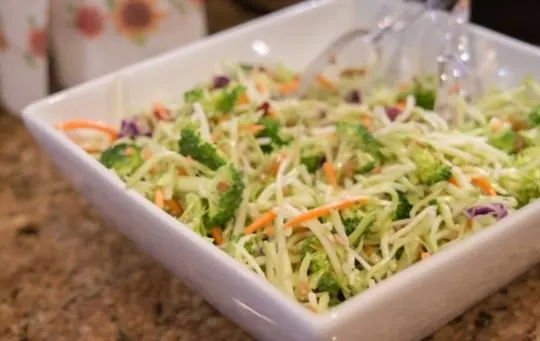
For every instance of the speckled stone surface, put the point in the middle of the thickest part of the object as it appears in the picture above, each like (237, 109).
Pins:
(65, 274)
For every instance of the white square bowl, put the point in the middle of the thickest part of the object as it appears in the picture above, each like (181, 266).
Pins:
(407, 306)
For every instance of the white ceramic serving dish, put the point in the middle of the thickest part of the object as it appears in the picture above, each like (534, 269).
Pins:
(408, 306)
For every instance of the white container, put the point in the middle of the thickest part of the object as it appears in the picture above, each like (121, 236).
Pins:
(407, 306)
(23, 53)
(93, 37)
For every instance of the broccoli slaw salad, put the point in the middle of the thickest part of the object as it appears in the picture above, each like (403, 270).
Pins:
(327, 195)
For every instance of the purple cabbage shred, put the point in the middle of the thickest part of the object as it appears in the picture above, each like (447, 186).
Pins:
(392, 113)
(354, 96)
(220, 82)
(496, 210)
(134, 127)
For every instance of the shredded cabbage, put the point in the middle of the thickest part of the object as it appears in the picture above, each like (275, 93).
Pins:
(264, 157)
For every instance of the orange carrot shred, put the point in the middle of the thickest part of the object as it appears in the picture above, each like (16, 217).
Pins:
(260, 88)
(325, 82)
(325, 210)
(260, 222)
(498, 124)
(217, 234)
(469, 224)
(221, 118)
(160, 112)
(86, 124)
(366, 122)
(425, 255)
(484, 186)
(243, 99)
(174, 207)
(146, 154)
(454, 89)
(401, 105)
(330, 174)
(404, 87)
(368, 250)
(454, 181)
(159, 200)
(252, 128)
(288, 88)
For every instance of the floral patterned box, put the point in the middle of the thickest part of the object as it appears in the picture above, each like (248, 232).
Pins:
(88, 38)
(92, 37)
(23, 52)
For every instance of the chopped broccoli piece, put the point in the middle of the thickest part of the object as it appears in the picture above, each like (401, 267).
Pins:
(309, 245)
(222, 193)
(424, 96)
(531, 137)
(524, 182)
(282, 74)
(527, 155)
(194, 213)
(350, 220)
(191, 144)
(319, 262)
(366, 167)
(194, 95)
(524, 185)
(227, 99)
(359, 136)
(246, 67)
(328, 283)
(429, 168)
(534, 116)
(228, 186)
(505, 140)
(272, 131)
(253, 247)
(403, 208)
(123, 158)
(312, 162)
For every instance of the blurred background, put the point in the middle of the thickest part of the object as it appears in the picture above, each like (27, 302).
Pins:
(46, 45)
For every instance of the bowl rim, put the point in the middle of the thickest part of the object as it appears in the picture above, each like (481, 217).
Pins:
(318, 322)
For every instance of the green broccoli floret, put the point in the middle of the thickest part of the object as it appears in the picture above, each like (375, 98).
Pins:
(123, 158)
(524, 182)
(226, 101)
(360, 137)
(312, 162)
(523, 185)
(328, 283)
(429, 168)
(194, 213)
(282, 74)
(531, 137)
(424, 96)
(527, 156)
(309, 245)
(222, 193)
(403, 208)
(191, 144)
(194, 95)
(534, 116)
(351, 220)
(366, 167)
(272, 130)
(319, 262)
(505, 140)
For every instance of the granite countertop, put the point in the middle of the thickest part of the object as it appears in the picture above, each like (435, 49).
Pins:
(66, 274)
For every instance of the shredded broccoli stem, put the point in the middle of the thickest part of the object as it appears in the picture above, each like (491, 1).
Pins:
(245, 158)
